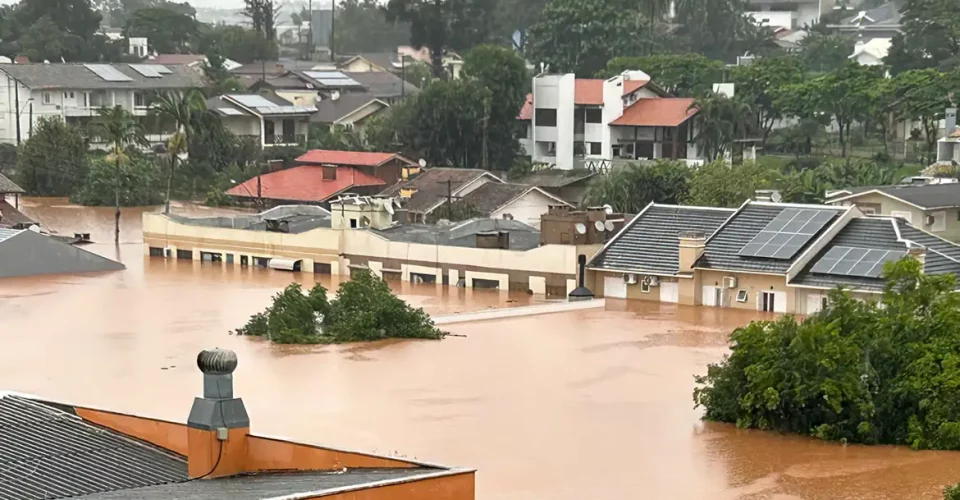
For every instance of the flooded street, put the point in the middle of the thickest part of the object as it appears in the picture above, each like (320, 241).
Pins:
(584, 405)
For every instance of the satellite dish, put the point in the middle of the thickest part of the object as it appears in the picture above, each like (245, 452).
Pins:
(599, 226)
(335, 95)
(608, 225)
(581, 228)
(775, 197)
(364, 221)
(422, 163)
(389, 207)
(608, 209)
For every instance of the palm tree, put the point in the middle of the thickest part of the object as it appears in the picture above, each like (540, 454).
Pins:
(120, 128)
(179, 108)
(720, 121)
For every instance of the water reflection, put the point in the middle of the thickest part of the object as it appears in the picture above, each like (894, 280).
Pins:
(585, 405)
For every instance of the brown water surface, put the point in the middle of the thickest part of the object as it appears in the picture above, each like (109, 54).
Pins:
(584, 405)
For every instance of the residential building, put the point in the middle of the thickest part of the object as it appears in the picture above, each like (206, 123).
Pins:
(788, 15)
(452, 61)
(593, 226)
(568, 185)
(272, 120)
(948, 147)
(324, 175)
(350, 110)
(195, 61)
(422, 193)
(573, 123)
(75, 92)
(499, 200)
(934, 208)
(883, 21)
(59, 450)
(387, 87)
(774, 257)
(371, 62)
(871, 52)
(26, 252)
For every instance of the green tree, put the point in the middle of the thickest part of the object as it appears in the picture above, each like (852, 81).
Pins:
(443, 25)
(683, 75)
(929, 38)
(52, 162)
(166, 30)
(718, 184)
(923, 95)
(629, 189)
(720, 29)
(363, 27)
(417, 73)
(720, 121)
(579, 36)
(756, 84)
(178, 108)
(234, 42)
(43, 41)
(337, 137)
(516, 17)
(221, 80)
(825, 52)
(504, 75)
(72, 17)
(139, 183)
(119, 128)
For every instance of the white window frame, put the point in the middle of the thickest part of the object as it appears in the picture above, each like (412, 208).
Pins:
(939, 222)
(742, 295)
(48, 98)
(644, 286)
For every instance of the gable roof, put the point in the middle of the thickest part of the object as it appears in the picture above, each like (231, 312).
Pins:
(9, 187)
(658, 112)
(352, 158)
(277, 105)
(10, 216)
(78, 76)
(464, 233)
(332, 111)
(877, 48)
(187, 59)
(588, 92)
(383, 85)
(555, 177)
(383, 60)
(723, 248)
(493, 196)
(631, 86)
(431, 186)
(925, 197)
(649, 244)
(26, 253)
(305, 183)
(887, 15)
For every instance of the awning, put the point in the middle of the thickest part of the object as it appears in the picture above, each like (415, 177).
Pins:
(284, 264)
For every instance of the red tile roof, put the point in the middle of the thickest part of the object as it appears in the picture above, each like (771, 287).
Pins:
(526, 112)
(355, 158)
(588, 92)
(631, 86)
(304, 183)
(662, 112)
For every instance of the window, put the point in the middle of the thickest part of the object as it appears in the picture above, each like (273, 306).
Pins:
(156, 252)
(551, 148)
(69, 95)
(564, 238)
(244, 260)
(824, 302)
(545, 117)
(185, 254)
(741, 295)
(138, 100)
(594, 115)
(321, 268)
(261, 261)
(595, 148)
(353, 223)
(229, 258)
(47, 98)
(645, 285)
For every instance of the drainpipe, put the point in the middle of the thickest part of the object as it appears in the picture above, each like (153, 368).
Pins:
(581, 292)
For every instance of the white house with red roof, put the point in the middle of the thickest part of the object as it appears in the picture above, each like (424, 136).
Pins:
(575, 121)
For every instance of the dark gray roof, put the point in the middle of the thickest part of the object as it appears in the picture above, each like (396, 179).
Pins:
(724, 246)
(384, 85)
(928, 197)
(76, 76)
(261, 486)
(329, 110)
(431, 186)
(11, 217)
(8, 186)
(297, 218)
(46, 452)
(464, 233)
(26, 253)
(885, 14)
(880, 233)
(493, 195)
(650, 242)
(383, 59)
(554, 178)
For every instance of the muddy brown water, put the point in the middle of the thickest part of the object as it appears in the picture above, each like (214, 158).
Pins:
(584, 405)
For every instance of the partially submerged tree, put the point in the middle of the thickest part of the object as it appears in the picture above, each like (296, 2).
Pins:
(119, 128)
(629, 189)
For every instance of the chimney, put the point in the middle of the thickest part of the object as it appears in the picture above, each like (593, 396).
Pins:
(951, 120)
(918, 253)
(692, 244)
(218, 424)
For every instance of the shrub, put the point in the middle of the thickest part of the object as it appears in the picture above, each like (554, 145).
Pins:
(140, 183)
(856, 371)
(952, 492)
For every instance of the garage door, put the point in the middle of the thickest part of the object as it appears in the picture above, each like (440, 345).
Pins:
(614, 287)
(669, 292)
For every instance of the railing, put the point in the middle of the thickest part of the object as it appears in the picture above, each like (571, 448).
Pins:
(286, 139)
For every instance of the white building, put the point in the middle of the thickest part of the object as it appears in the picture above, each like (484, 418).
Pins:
(575, 122)
(871, 52)
(948, 148)
(788, 14)
(75, 92)
(269, 118)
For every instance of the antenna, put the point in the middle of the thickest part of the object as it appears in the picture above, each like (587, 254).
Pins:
(608, 225)
(581, 228)
(599, 226)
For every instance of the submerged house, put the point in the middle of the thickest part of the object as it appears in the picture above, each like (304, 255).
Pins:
(25, 252)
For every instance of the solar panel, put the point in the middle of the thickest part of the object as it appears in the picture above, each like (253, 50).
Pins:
(338, 82)
(230, 111)
(163, 70)
(252, 101)
(787, 233)
(284, 110)
(147, 70)
(852, 261)
(325, 74)
(108, 73)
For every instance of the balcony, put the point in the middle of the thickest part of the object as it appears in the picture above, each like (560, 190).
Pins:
(285, 140)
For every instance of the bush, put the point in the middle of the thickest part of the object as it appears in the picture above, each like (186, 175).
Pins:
(952, 492)
(140, 183)
(854, 372)
(52, 162)
(365, 309)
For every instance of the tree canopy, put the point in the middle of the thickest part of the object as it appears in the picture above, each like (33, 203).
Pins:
(363, 27)
(683, 75)
(929, 38)
(53, 160)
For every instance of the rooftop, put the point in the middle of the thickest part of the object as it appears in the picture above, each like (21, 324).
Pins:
(305, 183)
(925, 197)
(464, 233)
(11, 217)
(431, 186)
(351, 158)
(9, 187)
(334, 110)
(650, 242)
(588, 92)
(384, 85)
(260, 104)
(103, 76)
(493, 195)
(555, 178)
(27, 253)
(660, 112)
(294, 218)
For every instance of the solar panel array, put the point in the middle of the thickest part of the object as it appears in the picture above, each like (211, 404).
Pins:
(252, 101)
(332, 79)
(6, 234)
(285, 110)
(852, 261)
(147, 70)
(230, 112)
(163, 70)
(108, 73)
(787, 233)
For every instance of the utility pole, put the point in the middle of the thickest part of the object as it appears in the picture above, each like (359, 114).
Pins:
(310, 30)
(403, 77)
(16, 100)
(259, 190)
(333, 28)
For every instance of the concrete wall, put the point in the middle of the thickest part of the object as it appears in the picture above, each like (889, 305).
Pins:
(555, 92)
(299, 97)
(753, 284)
(527, 209)
(946, 224)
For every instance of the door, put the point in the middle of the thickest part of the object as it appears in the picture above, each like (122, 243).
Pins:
(711, 296)
(614, 287)
(269, 132)
(669, 292)
(770, 301)
(815, 303)
(289, 131)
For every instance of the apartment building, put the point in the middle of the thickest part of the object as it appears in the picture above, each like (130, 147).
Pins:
(272, 120)
(575, 122)
(789, 15)
(935, 208)
(74, 92)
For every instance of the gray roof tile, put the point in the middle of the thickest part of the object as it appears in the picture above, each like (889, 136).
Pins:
(384, 85)
(928, 197)
(431, 186)
(722, 250)
(8, 186)
(493, 195)
(650, 242)
(329, 110)
(76, 76)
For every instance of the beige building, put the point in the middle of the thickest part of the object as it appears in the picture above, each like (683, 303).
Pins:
(763, 256)
(934, 208)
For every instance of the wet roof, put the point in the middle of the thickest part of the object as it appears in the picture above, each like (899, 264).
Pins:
(464, 233)
(431, 185)
(296, 219)
(555, 178)
(26, 253)
(79, 76)
(650, 242)
(8, 186)
(926, 197)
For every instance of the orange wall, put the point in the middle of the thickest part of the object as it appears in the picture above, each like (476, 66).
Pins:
(458, 487)
(169, 435)
(211, 458)
(276, 454)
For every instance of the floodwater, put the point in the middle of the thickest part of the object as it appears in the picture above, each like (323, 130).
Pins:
(585, 405)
